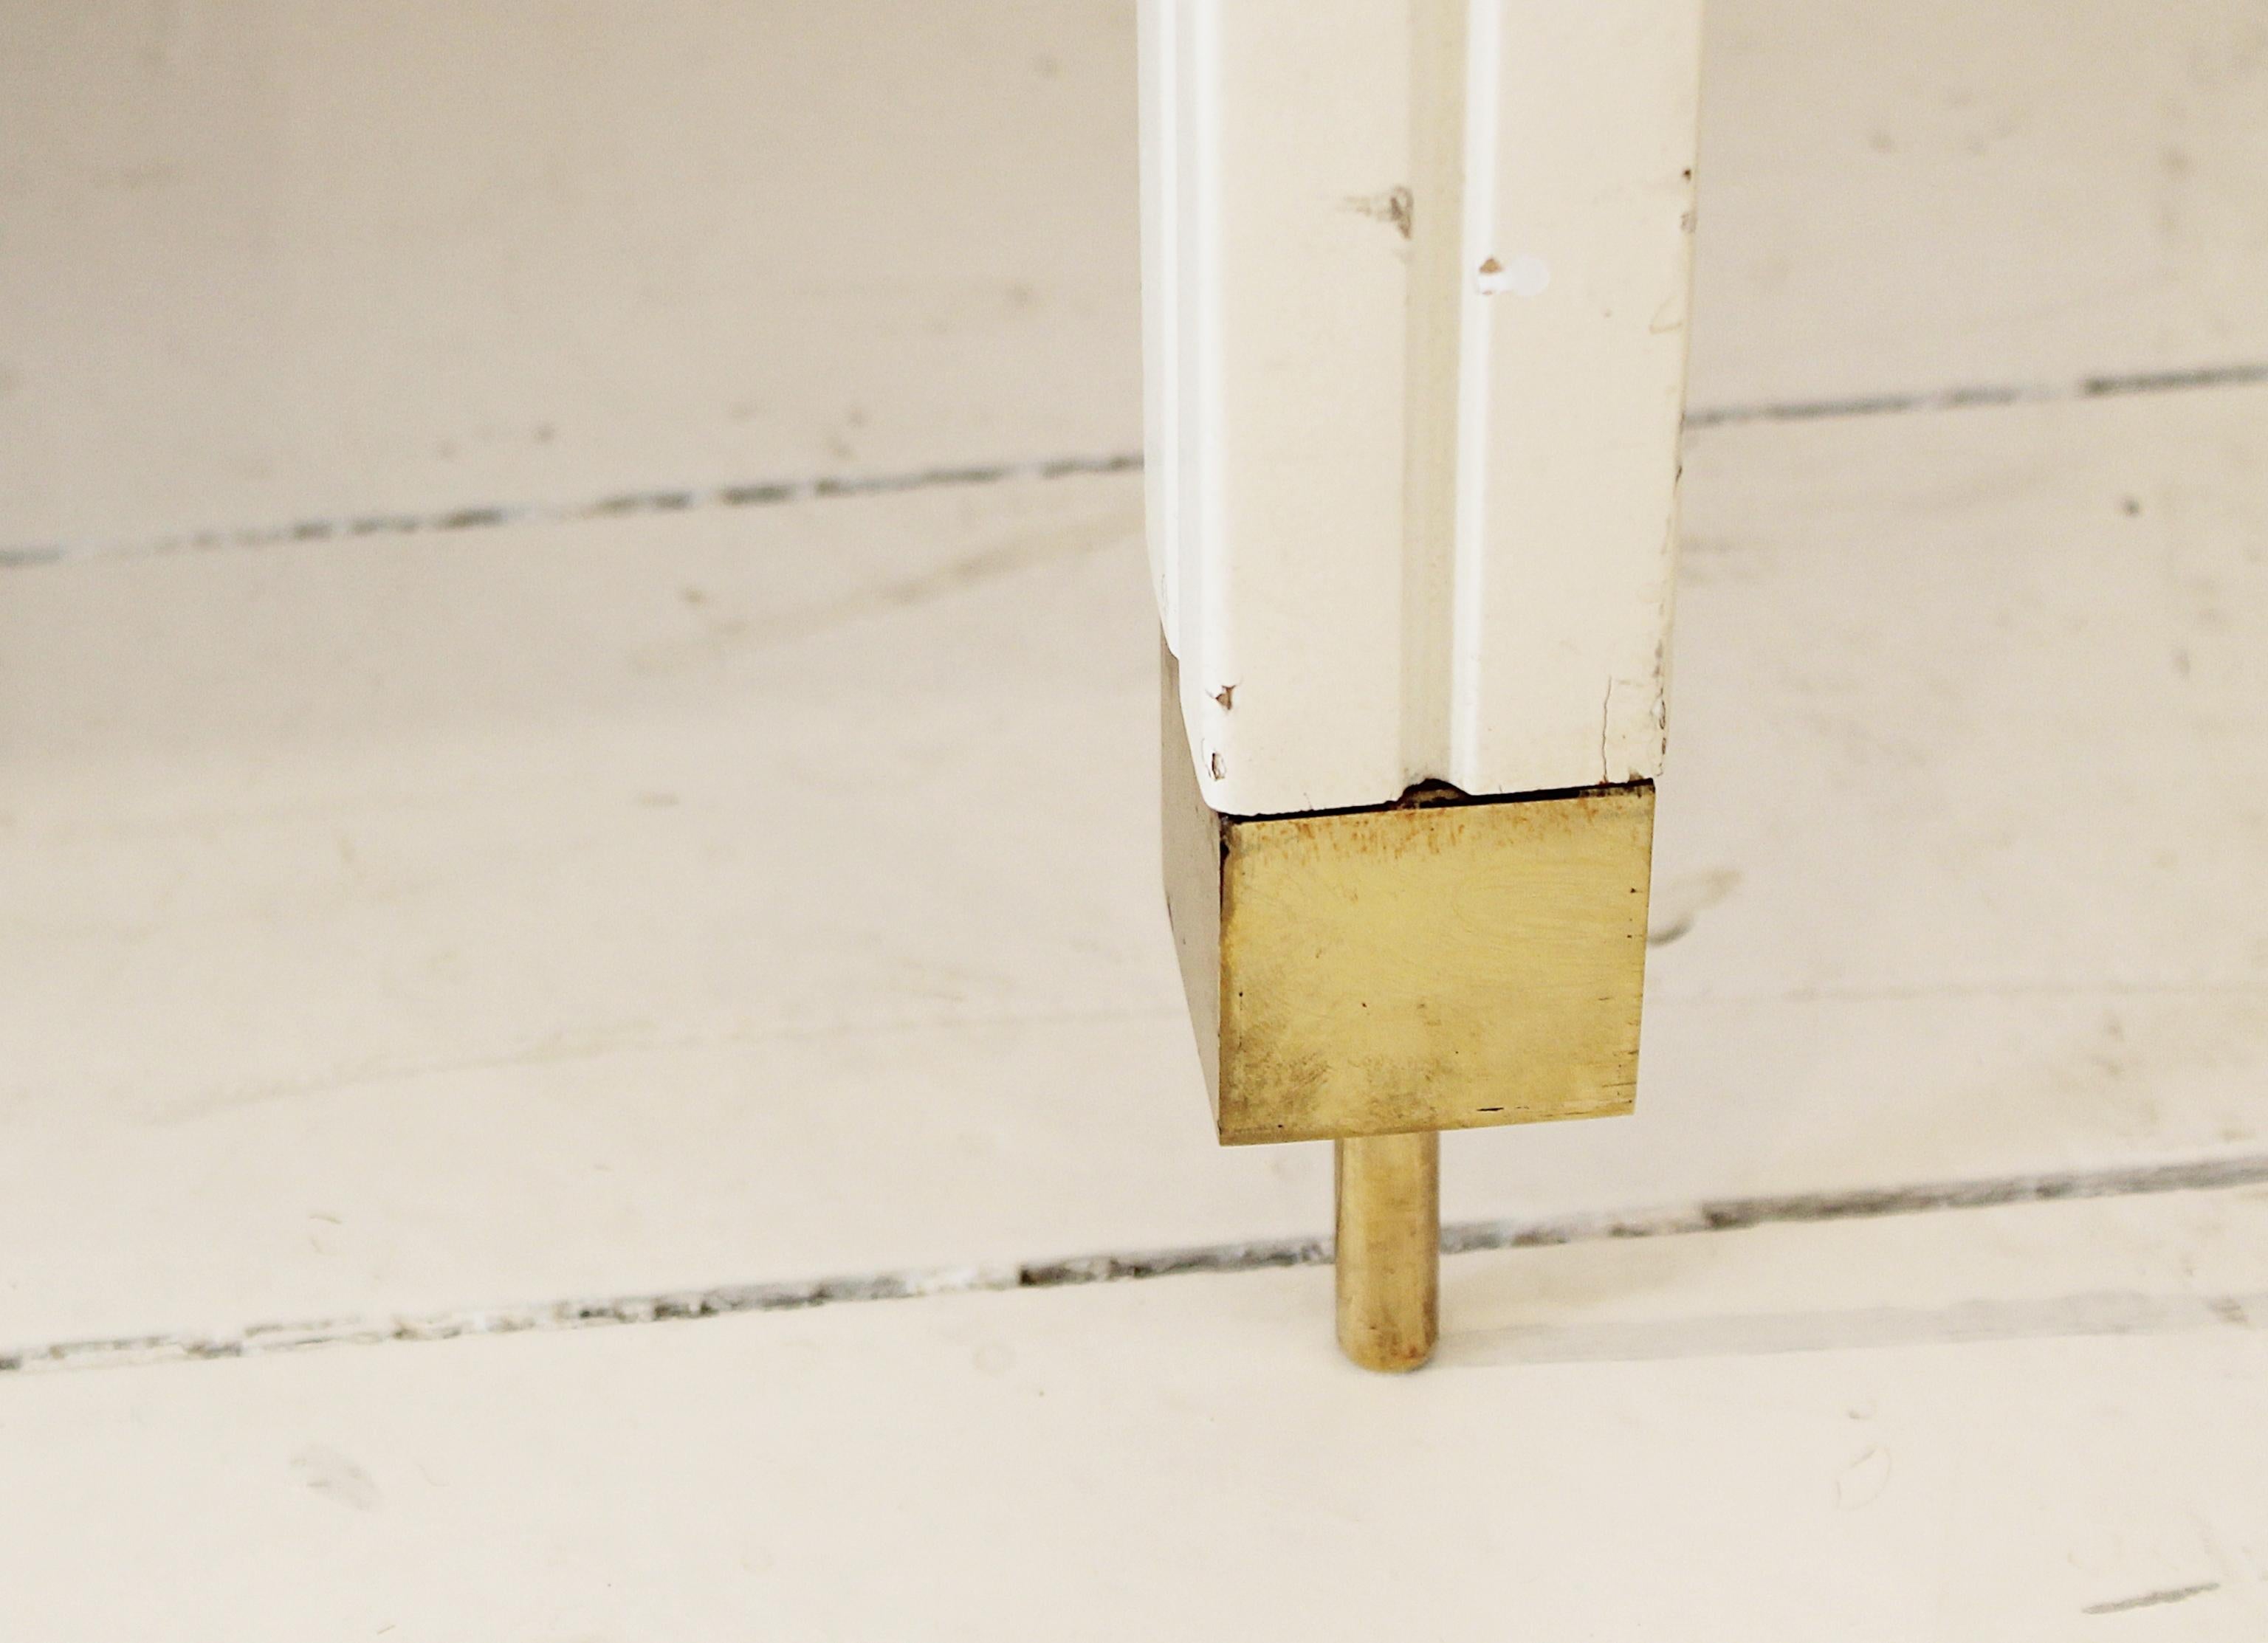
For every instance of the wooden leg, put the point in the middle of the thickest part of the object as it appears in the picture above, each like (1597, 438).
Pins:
(1389, 1248)
(1415, 287)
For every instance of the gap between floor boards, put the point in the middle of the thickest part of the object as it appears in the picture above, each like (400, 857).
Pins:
(489, 516)
(1709, 1216)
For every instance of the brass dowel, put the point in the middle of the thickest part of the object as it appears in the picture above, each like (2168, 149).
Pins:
(1389, 1248)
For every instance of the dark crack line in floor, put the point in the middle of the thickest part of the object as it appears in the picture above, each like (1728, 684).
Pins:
(623, 505)
(627, 504)
(1260, 1255)
(2099, 387)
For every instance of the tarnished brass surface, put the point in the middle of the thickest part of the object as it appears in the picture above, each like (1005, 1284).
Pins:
(1428, 965)
(1389, 1248)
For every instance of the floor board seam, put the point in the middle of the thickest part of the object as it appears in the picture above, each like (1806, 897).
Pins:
(1257, 1255)
(2102, 386)
(619, 505)
(626, 504)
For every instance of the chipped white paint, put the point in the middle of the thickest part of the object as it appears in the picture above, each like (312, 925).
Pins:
(1420, 534)
(1524, 277)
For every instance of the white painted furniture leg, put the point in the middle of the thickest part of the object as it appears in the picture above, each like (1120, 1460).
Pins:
(1416, 283)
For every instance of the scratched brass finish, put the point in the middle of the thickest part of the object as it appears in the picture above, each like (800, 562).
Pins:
(1421, 967)
(1389, 1248)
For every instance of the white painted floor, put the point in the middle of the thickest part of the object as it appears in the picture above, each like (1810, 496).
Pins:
(552, 858)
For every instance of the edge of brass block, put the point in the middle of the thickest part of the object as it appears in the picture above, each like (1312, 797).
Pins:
(1502, 939)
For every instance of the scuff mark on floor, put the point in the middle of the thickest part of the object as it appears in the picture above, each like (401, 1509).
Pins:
(2152, 1600)
(335, 1477)
(1683, 900)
